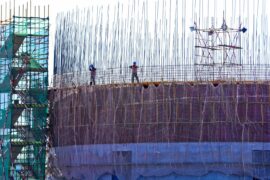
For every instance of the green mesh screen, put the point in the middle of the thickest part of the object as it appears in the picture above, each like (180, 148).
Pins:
(24, 82)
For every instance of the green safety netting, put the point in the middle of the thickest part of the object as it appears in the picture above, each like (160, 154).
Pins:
(23, 97)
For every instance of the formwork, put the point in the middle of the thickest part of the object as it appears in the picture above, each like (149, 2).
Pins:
(169, 130)
(23, 82)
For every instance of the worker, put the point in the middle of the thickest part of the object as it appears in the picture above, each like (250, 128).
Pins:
(134, 68)
(26, 58)
(92, 69)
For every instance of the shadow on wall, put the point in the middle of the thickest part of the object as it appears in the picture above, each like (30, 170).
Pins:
(174, 176)
(108, 176)
(208, 176)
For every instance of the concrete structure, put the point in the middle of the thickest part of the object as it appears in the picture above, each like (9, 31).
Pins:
(169, 130)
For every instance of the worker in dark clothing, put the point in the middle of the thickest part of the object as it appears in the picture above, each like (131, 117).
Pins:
(134, 68)
(92, 69)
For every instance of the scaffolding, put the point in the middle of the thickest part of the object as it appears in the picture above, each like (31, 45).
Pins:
(23, 98)
(218, 52)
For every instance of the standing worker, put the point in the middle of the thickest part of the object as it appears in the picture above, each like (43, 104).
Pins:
(134, 68)
(92, 69)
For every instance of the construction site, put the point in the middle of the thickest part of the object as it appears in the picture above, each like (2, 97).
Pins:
(199, 108)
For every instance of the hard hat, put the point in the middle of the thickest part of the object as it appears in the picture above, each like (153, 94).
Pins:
(134, 62)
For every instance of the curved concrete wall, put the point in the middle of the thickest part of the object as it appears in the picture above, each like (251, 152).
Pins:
(172, 112)
(162, 131)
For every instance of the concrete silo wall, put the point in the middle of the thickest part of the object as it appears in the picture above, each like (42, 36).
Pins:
(168, 129)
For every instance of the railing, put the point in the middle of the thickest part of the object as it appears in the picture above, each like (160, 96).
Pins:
(167, 73)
